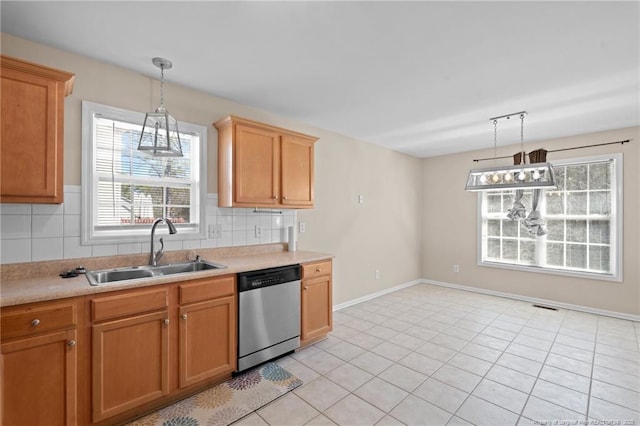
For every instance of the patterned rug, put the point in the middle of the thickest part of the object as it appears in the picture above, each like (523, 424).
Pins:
(226, 402)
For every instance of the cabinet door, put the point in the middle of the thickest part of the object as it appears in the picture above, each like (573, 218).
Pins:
(297, 171)
(256, 162)
(207, 339)
(39, 380)
(130, 364)
(316, 306)
(31, 140)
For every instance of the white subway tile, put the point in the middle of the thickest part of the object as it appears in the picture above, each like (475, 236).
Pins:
(72, 203)
(47, 226)
(169, 245)
(47, 209)
(72, 224)
(277, 221)
(15, 209)
(239, 238)
(15, 226)
(191, 244)
(46, 249)
(265, 220)
(239, 223)
(226, 240)
(266, 236)
(15, 251)
(209, 243)
(104, 250)
(251, 237)
(73, 248)
(129, 248)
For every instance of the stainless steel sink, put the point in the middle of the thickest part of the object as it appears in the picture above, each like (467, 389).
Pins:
(106, 276)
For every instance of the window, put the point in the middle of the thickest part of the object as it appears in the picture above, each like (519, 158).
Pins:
(125, 189)
(583, 220)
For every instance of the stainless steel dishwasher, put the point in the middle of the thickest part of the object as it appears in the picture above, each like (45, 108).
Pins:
(268, 314)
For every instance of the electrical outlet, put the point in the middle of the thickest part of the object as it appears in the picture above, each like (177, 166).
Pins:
(258, 231)
(302, 227)
(456, 268)
(214, 230)
(361, 199)
(377, 274)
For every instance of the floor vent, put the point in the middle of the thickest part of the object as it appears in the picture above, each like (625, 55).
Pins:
(545, 307)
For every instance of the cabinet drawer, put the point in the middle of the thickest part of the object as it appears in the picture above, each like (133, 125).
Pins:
(128, 304)
(316, 269)
(33, 319)
(206, 289)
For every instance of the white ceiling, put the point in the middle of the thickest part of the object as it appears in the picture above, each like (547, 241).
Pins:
(418, 77)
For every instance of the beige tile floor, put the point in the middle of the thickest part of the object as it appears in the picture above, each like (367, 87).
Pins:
(429, 355)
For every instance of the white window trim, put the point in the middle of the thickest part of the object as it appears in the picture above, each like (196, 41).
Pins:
(89, 187)
(616, 218)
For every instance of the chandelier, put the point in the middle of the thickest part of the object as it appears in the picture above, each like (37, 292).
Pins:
(160, 136)
(520, 176)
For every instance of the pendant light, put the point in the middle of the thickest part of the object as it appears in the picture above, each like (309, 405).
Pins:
(160, 136)
(520, 176)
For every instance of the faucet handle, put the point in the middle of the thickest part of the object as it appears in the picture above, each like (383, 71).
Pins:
(160, 252)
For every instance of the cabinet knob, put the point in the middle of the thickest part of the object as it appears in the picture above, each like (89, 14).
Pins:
(317, 269)
(71, 343)
(35, 322)
(275, 197)
(183, 316)
(166, 321)
(306, 288)
(284, 198)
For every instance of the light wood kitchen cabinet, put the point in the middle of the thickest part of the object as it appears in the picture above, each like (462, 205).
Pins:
(32, 135)
(39, 364)
(263, 166)
(130, 350)
(316, 306)
(207, 332)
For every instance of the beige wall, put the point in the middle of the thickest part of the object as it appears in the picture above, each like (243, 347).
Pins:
(383, 233)
(456, 242)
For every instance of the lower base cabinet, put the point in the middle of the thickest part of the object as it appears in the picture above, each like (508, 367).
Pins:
(39, 355)
(152, 345)
(130, 363)
(144, 348)
(207, 332)
(316, 305)
(39, 383)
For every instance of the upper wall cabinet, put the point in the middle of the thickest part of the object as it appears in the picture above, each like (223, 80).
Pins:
(32, 137)
(263, 166)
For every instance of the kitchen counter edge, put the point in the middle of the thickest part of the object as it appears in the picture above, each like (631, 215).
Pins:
(40, 289)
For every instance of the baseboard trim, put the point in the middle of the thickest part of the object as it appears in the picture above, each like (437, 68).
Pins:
(555, 304)
(547, 302)
(376, 294)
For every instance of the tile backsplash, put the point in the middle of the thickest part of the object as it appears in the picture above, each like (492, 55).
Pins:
(36, 232)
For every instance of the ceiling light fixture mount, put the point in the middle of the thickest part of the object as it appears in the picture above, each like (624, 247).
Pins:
(160, 136)
(519, 176)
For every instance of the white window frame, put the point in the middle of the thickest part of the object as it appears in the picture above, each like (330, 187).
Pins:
(92, 236)
(616, 226)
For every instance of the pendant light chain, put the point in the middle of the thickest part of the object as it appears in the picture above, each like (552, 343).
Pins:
(522, 138)
(162, 85)
(495, 139)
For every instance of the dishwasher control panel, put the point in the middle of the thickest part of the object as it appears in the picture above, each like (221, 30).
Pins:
(268, 277)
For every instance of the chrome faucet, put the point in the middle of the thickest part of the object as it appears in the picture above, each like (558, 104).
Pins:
(155, 256)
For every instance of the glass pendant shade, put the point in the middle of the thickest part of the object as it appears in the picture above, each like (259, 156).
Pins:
(521, 176)
(160, 136)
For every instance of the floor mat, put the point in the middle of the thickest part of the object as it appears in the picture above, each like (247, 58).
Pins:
(226, 402)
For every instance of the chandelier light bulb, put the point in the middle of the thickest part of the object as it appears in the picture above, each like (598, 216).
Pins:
(495, 178)
(522, 175)
(536, 174)
(508, 177)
